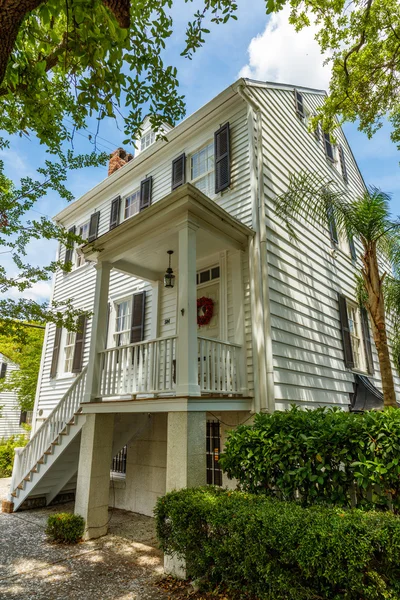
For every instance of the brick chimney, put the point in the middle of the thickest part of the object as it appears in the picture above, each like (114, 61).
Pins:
(118, 159)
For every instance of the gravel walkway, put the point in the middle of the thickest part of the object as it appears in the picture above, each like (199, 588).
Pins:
(120, 566)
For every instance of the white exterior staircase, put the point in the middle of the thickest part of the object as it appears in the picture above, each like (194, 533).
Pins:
(49, 462)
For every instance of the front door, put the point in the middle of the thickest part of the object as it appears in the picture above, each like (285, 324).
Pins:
(212, 329)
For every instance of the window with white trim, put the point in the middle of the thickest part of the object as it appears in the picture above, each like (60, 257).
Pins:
(354, 317)
(132, 204)
(83, 232)
(147, 140)
(202, 173)
(69, 348)
(122, 327)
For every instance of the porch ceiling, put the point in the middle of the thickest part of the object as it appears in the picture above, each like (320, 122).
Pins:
(139, 245)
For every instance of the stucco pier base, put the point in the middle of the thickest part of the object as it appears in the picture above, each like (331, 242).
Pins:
(93, 483)
(186, 462)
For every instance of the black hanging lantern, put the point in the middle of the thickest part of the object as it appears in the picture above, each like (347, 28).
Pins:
(169, 277)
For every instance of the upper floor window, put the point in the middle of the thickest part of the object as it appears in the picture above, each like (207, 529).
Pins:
(299, 105)
(132, 204)
(83, 232)
(122, 322)
(329, 147)
(202, 170)
(69, 351)
(147, 140)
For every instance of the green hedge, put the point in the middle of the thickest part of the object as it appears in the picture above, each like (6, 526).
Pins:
(255, 547)
(7, 453)
(319, 457)
(65, 527)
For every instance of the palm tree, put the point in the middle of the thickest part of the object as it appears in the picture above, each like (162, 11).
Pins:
(318, 200)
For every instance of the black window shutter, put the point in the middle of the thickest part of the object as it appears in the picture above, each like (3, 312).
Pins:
(346, 339)
(353, 252)
(3, 370)
(332, 225)
(93, 226)
(329, 147)
(367, 340)
(138, 312)
(115, 212)
(342, 159)
(179, 171)
(222, 158)
(77, 361)
(145, 192)
(56, 352)
(69, 252)
(298, 100)
(23, 417)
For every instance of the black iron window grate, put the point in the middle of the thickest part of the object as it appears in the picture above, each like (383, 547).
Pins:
(118, 464)
(214, 471)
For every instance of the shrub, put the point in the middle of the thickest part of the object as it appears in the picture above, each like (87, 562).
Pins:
(65, 527)
(7, 453)
(322, 456)
(251, 546)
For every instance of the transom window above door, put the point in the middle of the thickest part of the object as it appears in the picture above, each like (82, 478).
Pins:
(132, 204)
(207, 275)
(202, 173)
(122, 322)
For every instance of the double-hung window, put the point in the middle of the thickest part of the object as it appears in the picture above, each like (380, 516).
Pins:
(83, 232)
(202, 173)
(69, 351)
(353, 314)
(132, 204)
(122, 322)
(147, 140)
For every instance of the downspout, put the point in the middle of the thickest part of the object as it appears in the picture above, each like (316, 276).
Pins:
(266, 369)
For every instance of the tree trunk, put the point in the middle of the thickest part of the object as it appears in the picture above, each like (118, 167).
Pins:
(12, 13)
(376, 309)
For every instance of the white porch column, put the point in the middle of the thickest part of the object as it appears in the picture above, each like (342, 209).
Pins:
(186, 463)
(93, 484)
(187, 368)
(99, 331)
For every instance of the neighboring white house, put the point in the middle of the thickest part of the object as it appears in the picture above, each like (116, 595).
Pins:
(11, 417)
(278, 319)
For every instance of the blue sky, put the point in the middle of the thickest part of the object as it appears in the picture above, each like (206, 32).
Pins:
(255, 45)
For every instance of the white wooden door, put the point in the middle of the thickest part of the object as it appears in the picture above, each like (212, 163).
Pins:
(212, 330)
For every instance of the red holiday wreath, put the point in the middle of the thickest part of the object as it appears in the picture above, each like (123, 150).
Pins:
(205, 310)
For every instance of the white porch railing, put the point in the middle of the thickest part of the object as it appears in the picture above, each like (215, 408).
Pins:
(49, 430)
(142, 368)
(218, 366)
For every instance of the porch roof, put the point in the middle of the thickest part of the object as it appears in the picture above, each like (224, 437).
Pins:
(139, 244)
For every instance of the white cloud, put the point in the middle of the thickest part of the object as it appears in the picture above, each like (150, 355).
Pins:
(39, 292)
(283, 55)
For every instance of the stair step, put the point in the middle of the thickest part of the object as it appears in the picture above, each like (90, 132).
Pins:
(49, 451)
(27, 478)
(14, 494)
(20, 486)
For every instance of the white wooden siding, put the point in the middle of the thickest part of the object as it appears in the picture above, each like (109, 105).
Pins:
(304, 277)
(9, 413)
(79, 284)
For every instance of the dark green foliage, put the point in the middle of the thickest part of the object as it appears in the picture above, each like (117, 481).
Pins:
(7, 453)
(319, 457)
(252, 547)
(65, 527)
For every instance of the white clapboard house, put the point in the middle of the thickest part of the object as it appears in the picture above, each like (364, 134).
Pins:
(204, 309)
(11, 417)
